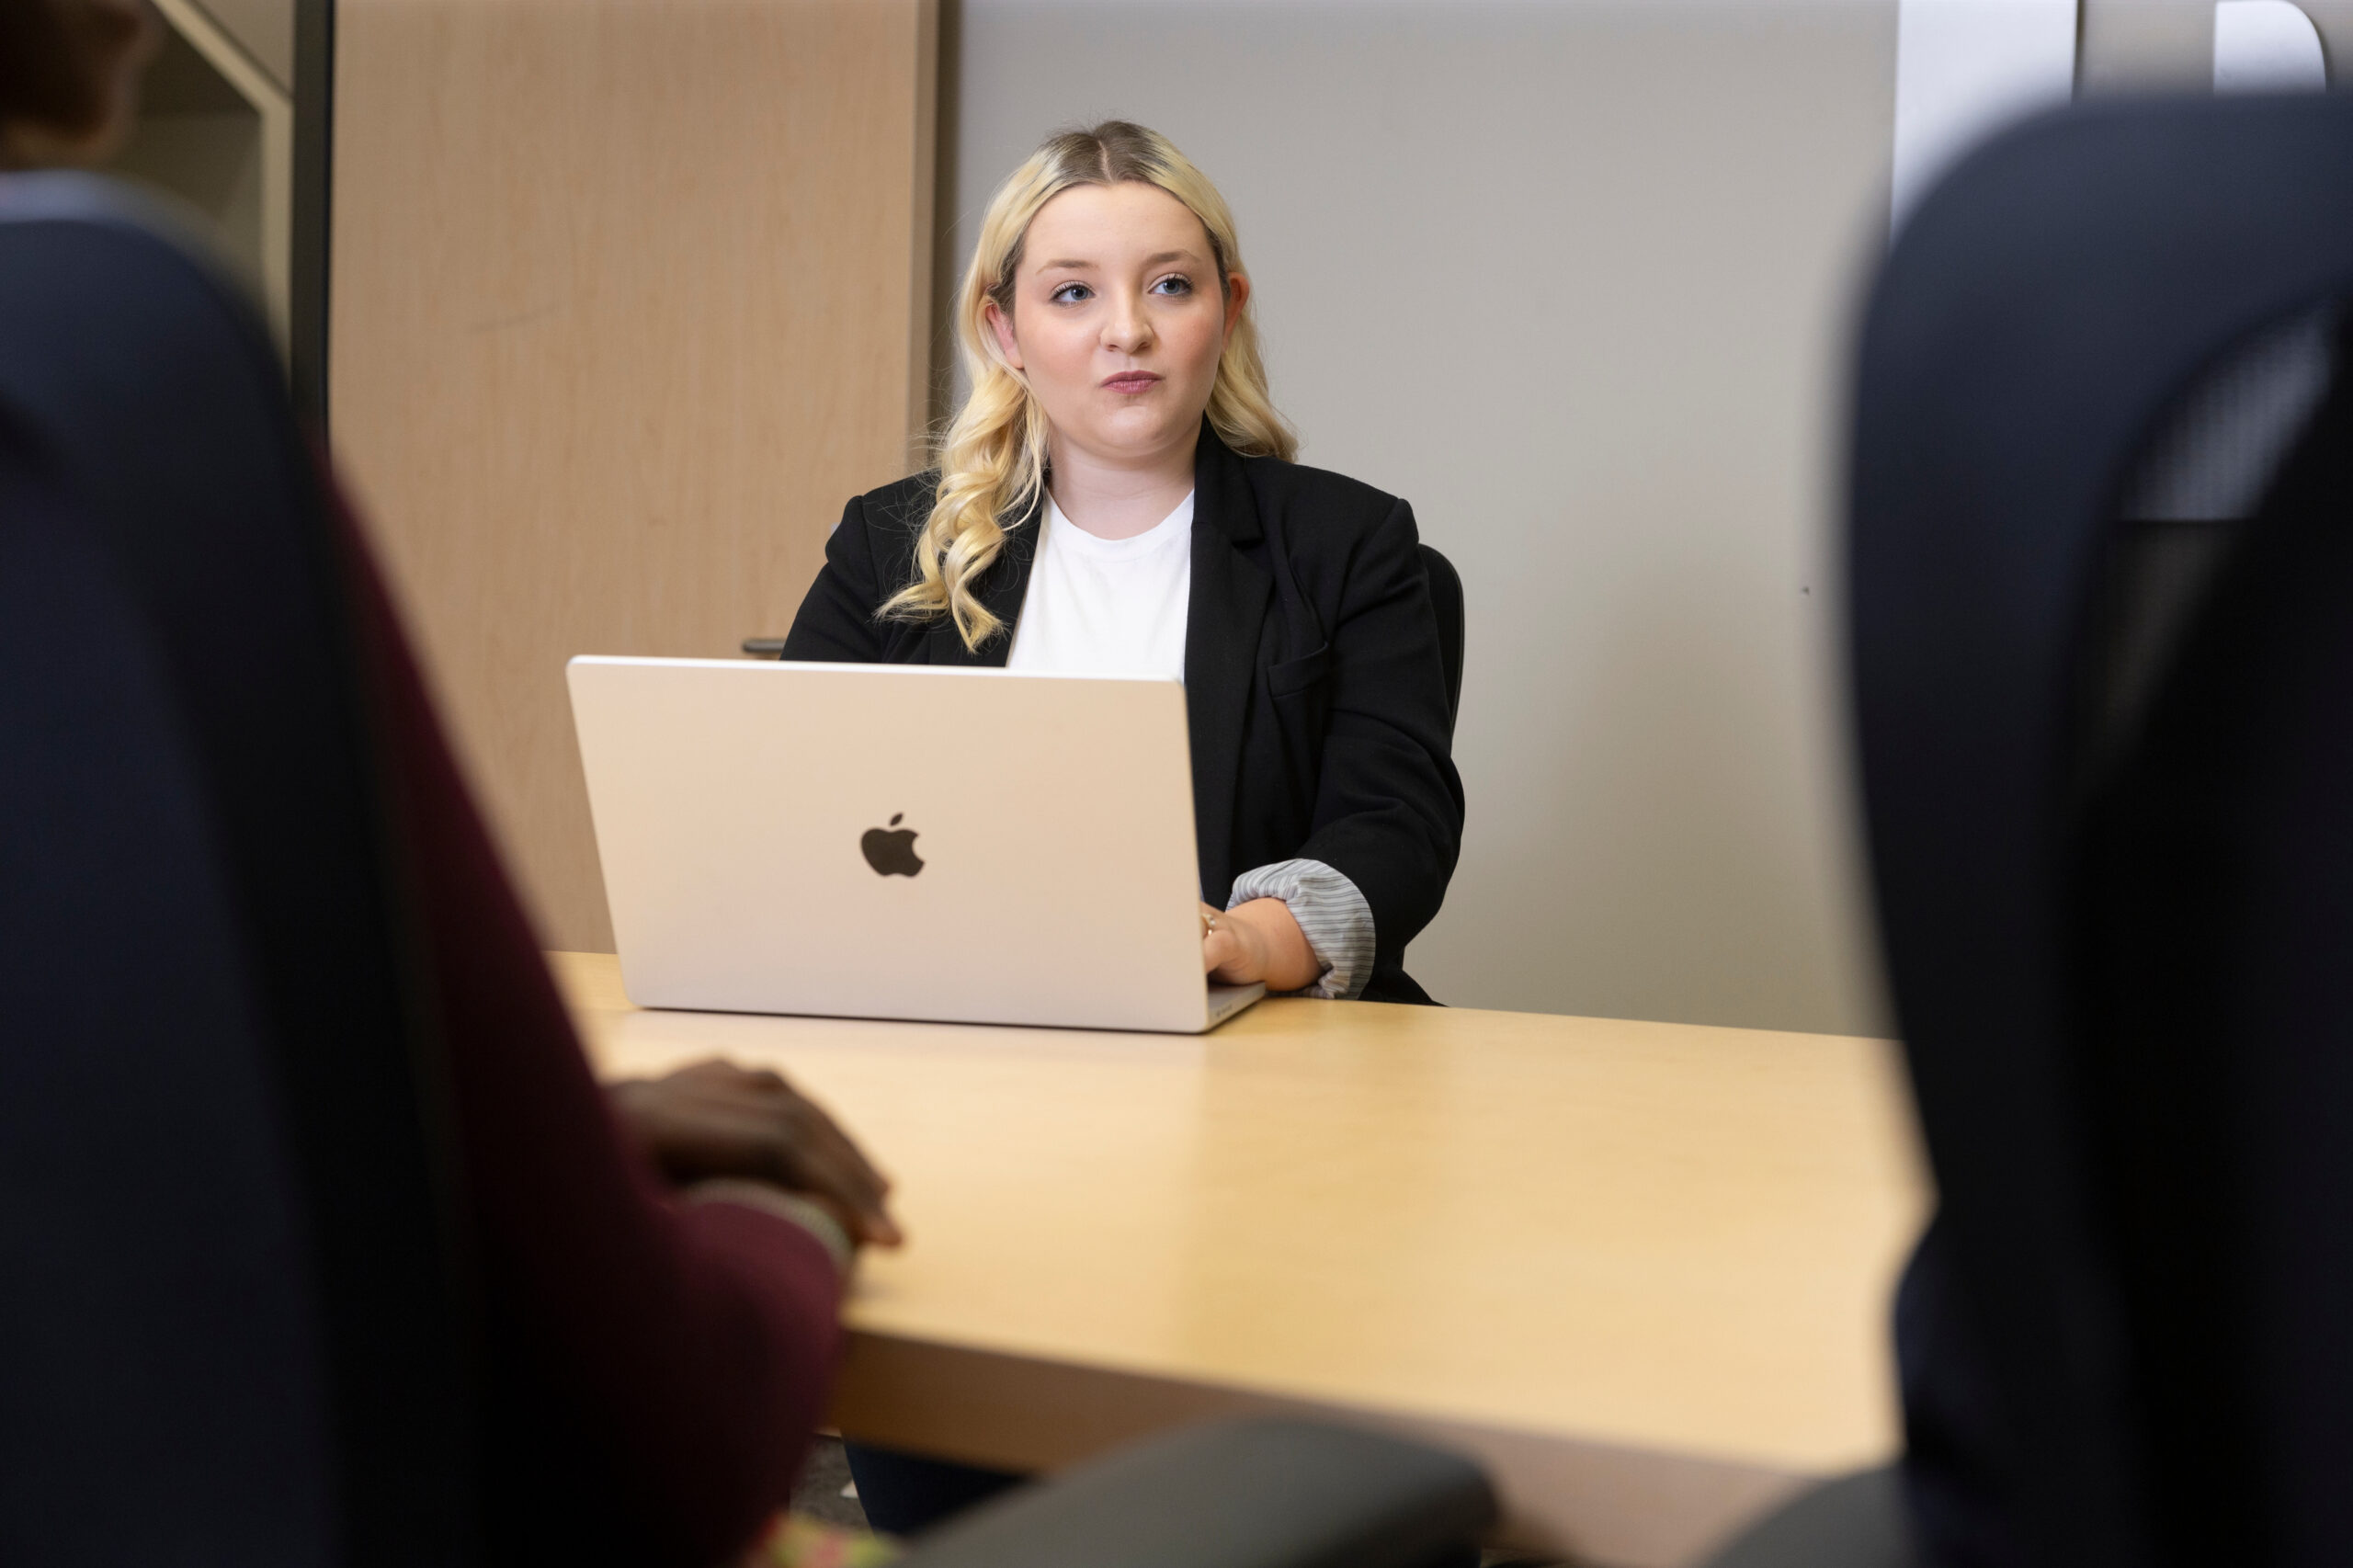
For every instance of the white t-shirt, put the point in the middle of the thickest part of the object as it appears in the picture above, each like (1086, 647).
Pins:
(1110, 607)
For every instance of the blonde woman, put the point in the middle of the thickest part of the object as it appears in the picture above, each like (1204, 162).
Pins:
(1116, 495)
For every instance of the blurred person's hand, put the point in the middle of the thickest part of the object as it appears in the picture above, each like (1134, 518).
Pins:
(715, 1118)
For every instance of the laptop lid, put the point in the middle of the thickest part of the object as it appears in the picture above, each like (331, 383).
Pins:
(887, 841)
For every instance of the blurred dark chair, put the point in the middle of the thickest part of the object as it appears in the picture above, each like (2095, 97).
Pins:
(2101, 581)
(230, 1331)
(1256, 1494)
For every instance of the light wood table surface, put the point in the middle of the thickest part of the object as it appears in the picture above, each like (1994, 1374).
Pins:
(1640, 1270)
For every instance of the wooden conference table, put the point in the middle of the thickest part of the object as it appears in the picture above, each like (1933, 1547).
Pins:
(1641, 1271)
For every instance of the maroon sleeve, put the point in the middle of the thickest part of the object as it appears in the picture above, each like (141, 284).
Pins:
(653, 1371)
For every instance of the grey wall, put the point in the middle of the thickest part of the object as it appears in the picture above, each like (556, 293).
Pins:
(2140, 45)
(1574, 278)
(264, 29)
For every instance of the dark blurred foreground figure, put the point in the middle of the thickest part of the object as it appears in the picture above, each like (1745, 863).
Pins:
(2102, 611)
(321, 1244)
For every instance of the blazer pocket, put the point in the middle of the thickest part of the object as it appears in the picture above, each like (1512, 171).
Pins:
(1300, 690)
(1294, 675)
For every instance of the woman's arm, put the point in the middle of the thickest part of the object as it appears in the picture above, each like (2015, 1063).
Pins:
(1329, 917)
(1389, 803)
(836, 624)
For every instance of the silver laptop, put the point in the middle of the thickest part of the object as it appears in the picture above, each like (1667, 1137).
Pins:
(885, 842)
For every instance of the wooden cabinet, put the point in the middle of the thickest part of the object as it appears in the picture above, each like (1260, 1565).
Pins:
(629, 297)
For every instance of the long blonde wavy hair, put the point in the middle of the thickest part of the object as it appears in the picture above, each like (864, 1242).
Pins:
(991, 459)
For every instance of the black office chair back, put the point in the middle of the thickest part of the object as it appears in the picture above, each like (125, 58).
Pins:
(1262, 1492)
(1446, 597)
(2109, 778)
(228, 1331)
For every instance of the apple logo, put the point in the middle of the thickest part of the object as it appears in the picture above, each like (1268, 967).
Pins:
(892, 854)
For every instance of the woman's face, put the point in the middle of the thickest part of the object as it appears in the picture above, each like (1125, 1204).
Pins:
(1118, 321)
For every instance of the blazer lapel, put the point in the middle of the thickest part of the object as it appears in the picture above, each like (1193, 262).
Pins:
(1223, 619)
(1002, 587)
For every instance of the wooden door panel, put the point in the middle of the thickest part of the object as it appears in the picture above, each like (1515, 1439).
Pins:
(629, 297)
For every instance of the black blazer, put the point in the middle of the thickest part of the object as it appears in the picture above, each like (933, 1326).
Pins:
(1314, 682)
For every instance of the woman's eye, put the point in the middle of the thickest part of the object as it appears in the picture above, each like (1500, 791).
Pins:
(1174, 284)
(1070, 294)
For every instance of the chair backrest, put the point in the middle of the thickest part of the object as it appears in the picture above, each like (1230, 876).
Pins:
(1446, 597)
(2106, 780)
(231, 1330)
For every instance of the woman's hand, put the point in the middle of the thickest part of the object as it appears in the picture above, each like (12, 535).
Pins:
(715, 1118)
(1258, 941)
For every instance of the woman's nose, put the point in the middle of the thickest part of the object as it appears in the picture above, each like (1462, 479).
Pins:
(1130, 330)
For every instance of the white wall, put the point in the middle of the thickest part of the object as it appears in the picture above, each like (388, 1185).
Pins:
(1964, 69)
(1574, 278)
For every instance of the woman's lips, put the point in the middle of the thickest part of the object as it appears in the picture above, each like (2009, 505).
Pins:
(1131, 382)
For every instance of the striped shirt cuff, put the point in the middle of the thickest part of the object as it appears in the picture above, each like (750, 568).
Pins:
(1332, 915)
